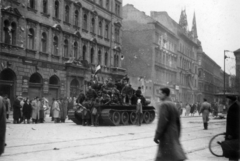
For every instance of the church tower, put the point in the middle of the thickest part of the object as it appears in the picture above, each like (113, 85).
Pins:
(194, 27)
(183, 20)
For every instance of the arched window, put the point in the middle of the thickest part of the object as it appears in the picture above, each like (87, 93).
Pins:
(54, 80)
(99, 57)
(100, 28)
(84, 52)
(65, 51)
(56, 13)
(35, 78)
(6, 35)
(14, 33)
(85, 21)
(31, 39)
(106, 59)
(93, 25)
(32, 3)
(76, 17)
(67, 13)
(55, 45)
(75, 49)
(107, 31)
(44, 42)
(45, 4)
(92, 56)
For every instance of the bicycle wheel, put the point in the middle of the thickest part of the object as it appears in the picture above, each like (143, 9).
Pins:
(214, 145)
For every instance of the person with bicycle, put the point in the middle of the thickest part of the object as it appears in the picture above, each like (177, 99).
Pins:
(233, 127)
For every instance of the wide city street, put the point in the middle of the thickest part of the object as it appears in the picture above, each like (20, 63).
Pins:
(71, 142)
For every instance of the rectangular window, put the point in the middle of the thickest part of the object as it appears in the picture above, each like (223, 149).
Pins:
(117, 8)
(117, 34)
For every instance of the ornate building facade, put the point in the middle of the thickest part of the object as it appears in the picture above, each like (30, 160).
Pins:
(161, 53)
(48, 48)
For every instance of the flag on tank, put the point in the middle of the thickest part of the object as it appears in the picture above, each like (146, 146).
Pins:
(97, 70)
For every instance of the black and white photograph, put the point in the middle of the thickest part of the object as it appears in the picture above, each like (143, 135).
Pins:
(119, 80)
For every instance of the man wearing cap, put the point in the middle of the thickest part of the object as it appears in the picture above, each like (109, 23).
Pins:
(233, 125)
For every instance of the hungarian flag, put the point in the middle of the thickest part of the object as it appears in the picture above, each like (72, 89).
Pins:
(97, 70)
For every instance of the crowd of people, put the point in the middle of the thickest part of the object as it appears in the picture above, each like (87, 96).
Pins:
(35, 111)
(191, 109)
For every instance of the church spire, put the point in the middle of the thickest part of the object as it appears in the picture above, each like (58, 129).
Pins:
(183, 20)
(194, 27)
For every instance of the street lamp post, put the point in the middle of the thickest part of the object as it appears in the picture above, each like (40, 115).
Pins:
(224, 86)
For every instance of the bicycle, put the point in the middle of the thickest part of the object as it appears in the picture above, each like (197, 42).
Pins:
(215, 145)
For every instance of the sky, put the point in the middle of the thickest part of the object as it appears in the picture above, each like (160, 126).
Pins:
(218, 23)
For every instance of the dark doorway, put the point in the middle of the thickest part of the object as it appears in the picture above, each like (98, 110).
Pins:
(35, 86)
(54, 85)
(8, 83)
(74, 88)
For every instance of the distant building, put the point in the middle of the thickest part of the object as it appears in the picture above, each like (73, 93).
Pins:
(160, 52)
(38, 37)
(210, 78)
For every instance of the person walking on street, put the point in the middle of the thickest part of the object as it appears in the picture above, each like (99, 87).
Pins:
(35, 110)
(7, 105)
(168, 130)
(63, 109)
(188, 108)
(16, 111)
(205, 110)
(139, 112)
(2, 125)
(27, 111)
(56, 111)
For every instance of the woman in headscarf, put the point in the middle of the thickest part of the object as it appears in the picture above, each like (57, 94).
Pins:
(27, 111)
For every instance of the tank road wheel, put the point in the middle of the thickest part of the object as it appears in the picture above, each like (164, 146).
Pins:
(152, 116)
(146, 117)
(116, 118)
(124, 118)
(133, 117)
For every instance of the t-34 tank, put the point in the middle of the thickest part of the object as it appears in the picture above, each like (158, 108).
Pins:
(111, 104)
(115, 115)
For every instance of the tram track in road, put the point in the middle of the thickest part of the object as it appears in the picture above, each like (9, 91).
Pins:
(101, 143)
(102, 137)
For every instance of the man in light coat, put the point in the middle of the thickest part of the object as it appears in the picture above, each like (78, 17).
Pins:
(168, 130)
(205, 110)
(36, 109)
(139, 112)
(56, 111)
(2, 125)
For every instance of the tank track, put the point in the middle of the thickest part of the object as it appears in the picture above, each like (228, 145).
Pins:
(115, 117)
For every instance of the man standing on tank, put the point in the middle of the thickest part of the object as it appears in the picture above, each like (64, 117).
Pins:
(168, 130)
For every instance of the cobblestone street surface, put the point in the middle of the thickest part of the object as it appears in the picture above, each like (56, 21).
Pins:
(71, 142)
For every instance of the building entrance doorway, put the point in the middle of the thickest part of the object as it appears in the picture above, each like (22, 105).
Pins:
(8, 83)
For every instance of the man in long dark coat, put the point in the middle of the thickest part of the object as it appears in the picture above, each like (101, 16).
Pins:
(2, 125)
(17, 111)
(168, 130)
(233, 124)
